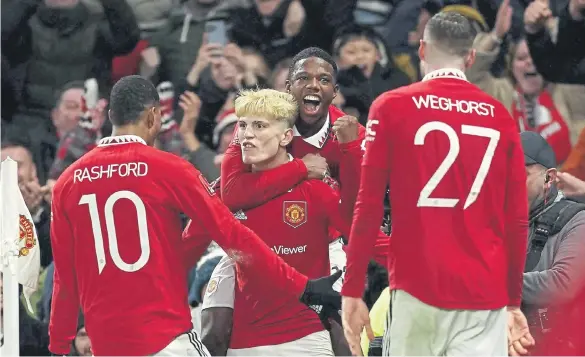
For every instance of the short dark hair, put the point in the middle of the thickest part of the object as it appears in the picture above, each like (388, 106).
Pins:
(17, 139)
(451, 32)
(69, 85)
(312, 52)
(130, 96)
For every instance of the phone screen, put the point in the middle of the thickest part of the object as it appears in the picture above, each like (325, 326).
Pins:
(216, 32)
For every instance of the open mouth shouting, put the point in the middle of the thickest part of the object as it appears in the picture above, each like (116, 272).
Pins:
(531, 74)
(311, 104)
(246, 146)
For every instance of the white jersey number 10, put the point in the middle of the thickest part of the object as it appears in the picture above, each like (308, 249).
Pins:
(91, 201)
(424, 199)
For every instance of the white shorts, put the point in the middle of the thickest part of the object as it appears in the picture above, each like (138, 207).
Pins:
(315, 344)
(419, 329)
(187, 344)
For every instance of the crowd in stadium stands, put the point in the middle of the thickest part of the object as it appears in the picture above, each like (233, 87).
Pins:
(60, 59)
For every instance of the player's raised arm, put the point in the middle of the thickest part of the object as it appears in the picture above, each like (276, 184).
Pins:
(516, 219)
(242, 189)
(65, 300)
(369, 208)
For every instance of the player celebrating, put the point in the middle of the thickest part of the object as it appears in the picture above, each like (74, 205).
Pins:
(294, 224)
(453, 159)
(320, 128)
(117, 246)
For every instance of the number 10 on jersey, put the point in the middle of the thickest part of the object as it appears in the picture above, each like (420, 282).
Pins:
(91, 201)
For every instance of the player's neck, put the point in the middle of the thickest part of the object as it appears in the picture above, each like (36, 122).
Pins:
(431, 67)
(129, 130)
(281, 158)
(307, 130)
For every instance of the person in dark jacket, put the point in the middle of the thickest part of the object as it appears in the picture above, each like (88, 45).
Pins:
(563, 60)
(281, 28)
(48, 43)
(366, 68)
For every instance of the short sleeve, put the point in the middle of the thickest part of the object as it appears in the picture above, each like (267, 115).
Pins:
(220, 289)
(376, 143)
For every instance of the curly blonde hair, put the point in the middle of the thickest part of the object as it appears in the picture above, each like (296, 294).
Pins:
(267, 103)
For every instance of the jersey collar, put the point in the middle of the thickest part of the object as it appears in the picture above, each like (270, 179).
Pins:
(446, 73)
(320, 138)
(121, 139)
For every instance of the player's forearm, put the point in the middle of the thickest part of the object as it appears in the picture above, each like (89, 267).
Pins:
(63, 321)
(365, 228)
(249, 250)
(241, 189)
(516, 241)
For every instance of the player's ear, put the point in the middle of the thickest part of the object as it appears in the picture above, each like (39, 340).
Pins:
(335, 90)
(287, 137)
(287, 85)
(470, 59)
(421, 50)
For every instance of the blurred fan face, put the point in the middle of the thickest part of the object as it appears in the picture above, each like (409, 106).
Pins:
(27, 171)
(61, 3)
(280, 80)
(260, 140)
(255, 63)
(224, 73)
(226, 138)
(267, 7)
(359, 52)
(524, 71)
(66, 115)
(312, 83)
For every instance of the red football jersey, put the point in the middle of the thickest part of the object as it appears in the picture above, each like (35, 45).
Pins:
(119, 254)
(242, 189)
(295, 225)
(454, 162)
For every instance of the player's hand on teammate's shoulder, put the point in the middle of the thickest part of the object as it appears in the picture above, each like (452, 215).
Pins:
(346, 129)
(519, 337)
(355, 317)
(316, 166)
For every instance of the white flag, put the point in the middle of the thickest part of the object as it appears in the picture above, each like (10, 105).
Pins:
(19, 233)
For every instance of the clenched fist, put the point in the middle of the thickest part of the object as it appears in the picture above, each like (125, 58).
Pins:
(346, 129)
(536, 15)
(316, 166)
(577, 9)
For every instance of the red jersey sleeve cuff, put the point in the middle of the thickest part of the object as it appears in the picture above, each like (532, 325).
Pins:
(302, 167)
(515, 303)
(300, 284)
(345, 147)
(61, 348)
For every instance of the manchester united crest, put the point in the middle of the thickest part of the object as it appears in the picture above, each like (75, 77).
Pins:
(26, 237)
(295, 213)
